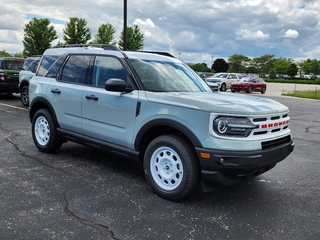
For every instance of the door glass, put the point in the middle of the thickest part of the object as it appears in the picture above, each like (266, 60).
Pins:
(76, 69)
(106, 67)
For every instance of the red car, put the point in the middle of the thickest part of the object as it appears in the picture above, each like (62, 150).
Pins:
(249, 84)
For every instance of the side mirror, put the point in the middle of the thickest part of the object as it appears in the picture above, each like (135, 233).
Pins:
(116, 85)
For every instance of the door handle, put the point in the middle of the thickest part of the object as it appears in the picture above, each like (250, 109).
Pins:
(55, 91)
(93, 97)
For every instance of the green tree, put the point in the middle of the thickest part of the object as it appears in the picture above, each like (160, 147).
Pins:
(292, 70)
(200, 67)
(38, 36)
(134, 39)
(4, 53)
(76, 31)
(220, 65)
(272, 73)
(281, 65)
(264, 63)
(105, 34)
(238, 63)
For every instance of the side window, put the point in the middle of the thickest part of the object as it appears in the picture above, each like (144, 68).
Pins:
(76, 69)
(45, 64)
(106, 67)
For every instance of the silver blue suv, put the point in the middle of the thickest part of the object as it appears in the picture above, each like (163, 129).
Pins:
(152, 107)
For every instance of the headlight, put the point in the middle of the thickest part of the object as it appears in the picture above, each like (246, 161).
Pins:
(233, 126)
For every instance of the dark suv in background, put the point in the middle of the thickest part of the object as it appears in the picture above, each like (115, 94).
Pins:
(9, 74)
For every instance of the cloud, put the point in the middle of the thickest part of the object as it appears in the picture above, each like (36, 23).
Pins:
(193, 28)
(245, 34)
(291, 34)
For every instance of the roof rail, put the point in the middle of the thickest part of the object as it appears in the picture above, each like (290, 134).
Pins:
(160, 53)
(104, 46)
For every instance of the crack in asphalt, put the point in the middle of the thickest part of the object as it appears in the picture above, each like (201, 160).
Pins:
(69, 209)
(67, 200)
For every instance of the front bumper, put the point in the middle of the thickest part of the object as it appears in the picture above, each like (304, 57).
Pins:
(226, 168)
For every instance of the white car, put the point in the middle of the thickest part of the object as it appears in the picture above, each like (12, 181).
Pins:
(214, 86)
(224, 80)
(24, 78)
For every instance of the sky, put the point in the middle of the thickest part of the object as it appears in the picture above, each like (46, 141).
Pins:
(192, 30)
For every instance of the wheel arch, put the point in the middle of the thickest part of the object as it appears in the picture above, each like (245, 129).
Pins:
(23, 83)
(159, 127)
(39, 103)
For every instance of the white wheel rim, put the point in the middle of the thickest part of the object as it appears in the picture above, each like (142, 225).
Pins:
(166, 168)
(42, 130)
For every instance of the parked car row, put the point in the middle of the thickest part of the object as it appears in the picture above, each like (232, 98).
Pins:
(237, 82)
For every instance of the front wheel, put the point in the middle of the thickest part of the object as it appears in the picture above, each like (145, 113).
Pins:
(171, 168)
(44, 132)
(249, 89)
(263, 90)
(24, 95)
(223, 87)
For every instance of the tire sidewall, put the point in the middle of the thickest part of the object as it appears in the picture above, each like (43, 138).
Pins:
(26, 90)
(53, 143)
(187, 159)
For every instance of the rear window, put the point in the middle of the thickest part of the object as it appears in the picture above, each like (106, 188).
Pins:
(12, 64)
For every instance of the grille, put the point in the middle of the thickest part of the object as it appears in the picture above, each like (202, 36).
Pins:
(270, 125)
(275, 143)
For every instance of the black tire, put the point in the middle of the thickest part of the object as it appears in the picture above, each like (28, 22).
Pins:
(171, 167)
(24, 96)
(233, 91)
(249, 89)
(263, 91)
(44, 132)
(223, 87)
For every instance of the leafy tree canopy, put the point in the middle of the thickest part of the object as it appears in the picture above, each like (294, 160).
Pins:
(238, 63)
(38, 36)
(292, 70)
(105, 35)
(4, 53)
(220, 65)
(76, 31)
(134, 39)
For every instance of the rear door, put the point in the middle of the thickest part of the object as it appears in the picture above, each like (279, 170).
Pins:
(66, 92)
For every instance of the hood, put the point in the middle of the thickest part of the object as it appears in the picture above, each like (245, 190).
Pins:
(216, 79)
(219, 102)
(241, 83)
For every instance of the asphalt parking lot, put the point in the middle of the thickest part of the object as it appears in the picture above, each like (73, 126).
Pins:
(81, 193)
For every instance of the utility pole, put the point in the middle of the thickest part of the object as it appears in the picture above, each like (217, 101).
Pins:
(124, 25)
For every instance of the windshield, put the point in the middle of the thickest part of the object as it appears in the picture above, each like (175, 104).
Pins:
(246, 79)
(159, 76)
(220, 75)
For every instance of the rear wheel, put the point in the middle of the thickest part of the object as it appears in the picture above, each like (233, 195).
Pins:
(171, 168)
(223, 87)
(44, 132)
(24, 95)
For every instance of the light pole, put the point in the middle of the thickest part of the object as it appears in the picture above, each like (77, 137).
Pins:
(124, 24)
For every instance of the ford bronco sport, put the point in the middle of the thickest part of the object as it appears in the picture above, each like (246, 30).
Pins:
(153, 107)
(9, 74)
